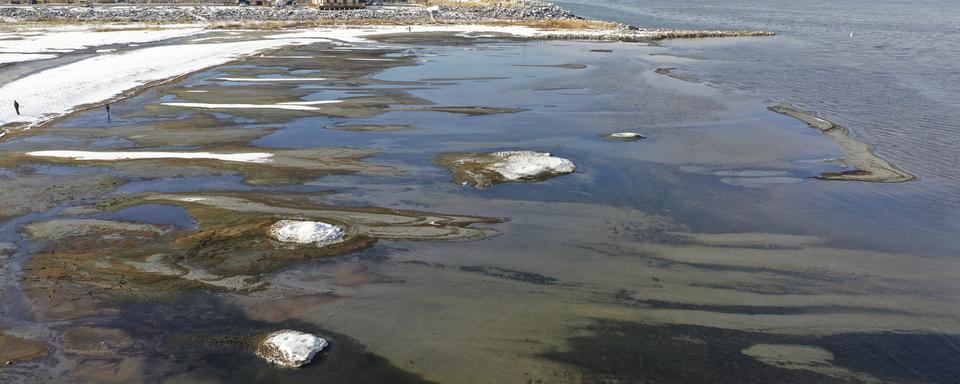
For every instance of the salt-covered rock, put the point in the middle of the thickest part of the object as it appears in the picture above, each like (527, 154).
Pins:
(306, 232)
(290, 348)
(626, 136)
(519, 165)
(486, 169)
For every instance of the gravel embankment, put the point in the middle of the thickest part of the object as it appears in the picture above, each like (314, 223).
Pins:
(168, 14)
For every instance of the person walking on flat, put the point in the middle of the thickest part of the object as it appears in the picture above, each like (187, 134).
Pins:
(16, 107)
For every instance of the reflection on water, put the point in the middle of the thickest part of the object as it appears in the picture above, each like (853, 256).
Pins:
(706, 252)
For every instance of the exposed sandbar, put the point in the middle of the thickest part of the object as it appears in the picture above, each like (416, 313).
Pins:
(14, 349)
(867, 166)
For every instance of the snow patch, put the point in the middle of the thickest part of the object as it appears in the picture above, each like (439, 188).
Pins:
(57, 91)
(290, 348)
(252, 157)
(292, 107)
(68, 39)
(270, 79)
(306, 232)
(20, 57)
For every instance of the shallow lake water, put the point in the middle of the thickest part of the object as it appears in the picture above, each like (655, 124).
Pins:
(707, 252)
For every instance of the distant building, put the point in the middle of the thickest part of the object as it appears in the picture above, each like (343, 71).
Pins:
(335, 4)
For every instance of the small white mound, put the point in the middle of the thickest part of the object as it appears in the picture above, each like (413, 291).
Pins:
(518, 165)
(290, 348)
(306, 232)
(252, 157)
(627, 135)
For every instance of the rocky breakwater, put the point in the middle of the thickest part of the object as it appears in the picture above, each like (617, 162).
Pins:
(170, 14)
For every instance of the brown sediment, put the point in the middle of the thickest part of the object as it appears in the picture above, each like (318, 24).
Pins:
(14, 349)
(467, 110)
(273, 309)
(96, 341)
(29, 193)
(470, 168)
(353, 275)
(380, 223)
(859, 155)
(285, 166)
(88, 265)
(196, 130)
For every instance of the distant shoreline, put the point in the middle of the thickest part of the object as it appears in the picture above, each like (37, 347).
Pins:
(542, 15)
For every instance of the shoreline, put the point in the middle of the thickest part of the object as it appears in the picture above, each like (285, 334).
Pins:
(65, 89)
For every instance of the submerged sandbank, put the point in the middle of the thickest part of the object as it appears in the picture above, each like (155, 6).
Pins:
(867, 166)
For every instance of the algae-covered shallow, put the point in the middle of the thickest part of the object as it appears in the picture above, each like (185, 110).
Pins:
(710, 251)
